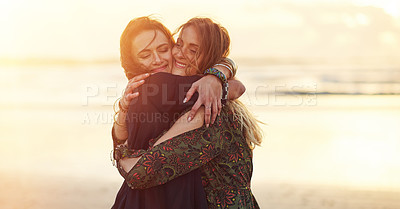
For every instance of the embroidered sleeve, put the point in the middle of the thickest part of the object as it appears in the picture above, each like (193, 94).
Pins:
(122, 151)
(180, 155)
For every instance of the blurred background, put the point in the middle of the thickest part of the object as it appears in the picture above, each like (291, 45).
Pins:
(323, 75)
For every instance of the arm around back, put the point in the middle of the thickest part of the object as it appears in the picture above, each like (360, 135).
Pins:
(180, 154)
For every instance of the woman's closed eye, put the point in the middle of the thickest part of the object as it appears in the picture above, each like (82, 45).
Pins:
(193, 51)
(144, 55)
(163, 49)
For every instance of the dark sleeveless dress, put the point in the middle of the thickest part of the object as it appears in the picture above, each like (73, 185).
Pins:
(160, 102)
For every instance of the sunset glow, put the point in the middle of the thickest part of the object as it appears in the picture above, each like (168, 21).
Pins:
(323, 75)
(90, 30)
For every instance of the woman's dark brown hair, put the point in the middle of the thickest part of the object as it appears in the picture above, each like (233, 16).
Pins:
(214, 42)
(128, 61)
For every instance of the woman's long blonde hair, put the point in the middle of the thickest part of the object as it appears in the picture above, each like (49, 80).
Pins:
(214, 42)
(249, 124)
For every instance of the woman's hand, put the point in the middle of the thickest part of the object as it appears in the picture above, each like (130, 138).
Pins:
(210, 95)
(120, 129)
(129, 92)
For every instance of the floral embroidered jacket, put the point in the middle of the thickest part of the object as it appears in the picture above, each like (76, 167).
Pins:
(220, 151)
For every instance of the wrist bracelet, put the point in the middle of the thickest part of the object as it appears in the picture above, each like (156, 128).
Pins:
(225, 85)
(233, 65)
(217, 73)
(226, 66)
(116, 121)
(120, 125)
(122, 109)
(225, 88)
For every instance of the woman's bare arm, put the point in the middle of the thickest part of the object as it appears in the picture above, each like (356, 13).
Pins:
(182, 125)
(236, 89)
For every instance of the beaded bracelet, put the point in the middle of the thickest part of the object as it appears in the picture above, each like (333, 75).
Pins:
(215, 72)
(225, 88)
(222, 77)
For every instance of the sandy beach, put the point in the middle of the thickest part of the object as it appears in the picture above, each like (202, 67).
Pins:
(62, 192)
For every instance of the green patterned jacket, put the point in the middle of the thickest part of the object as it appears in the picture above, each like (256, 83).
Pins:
(220, 151)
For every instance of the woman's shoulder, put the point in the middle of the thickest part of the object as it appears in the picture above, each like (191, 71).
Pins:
(162, 75)
(165, 78)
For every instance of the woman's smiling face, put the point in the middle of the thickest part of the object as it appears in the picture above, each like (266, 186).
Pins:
(152, 50)
(186, 52)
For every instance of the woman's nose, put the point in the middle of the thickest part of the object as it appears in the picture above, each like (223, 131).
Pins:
(157, 58)
(179, 53)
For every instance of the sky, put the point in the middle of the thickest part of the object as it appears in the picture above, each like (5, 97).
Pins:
(90, 30)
